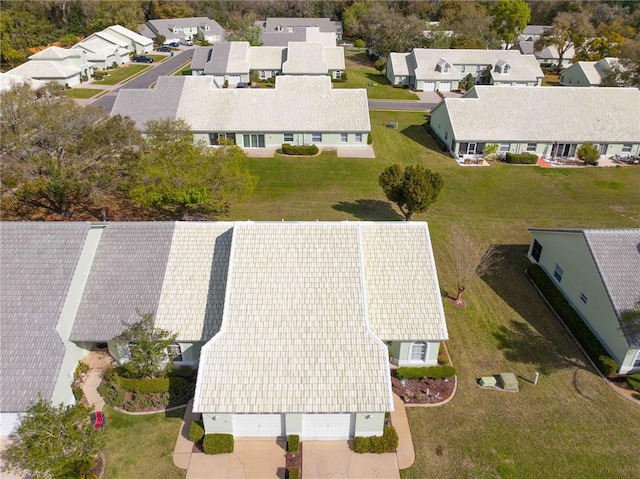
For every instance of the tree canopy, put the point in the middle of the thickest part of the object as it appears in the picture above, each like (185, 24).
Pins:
(510, 17)
(568, 30)
(412, 190)
(54, 441)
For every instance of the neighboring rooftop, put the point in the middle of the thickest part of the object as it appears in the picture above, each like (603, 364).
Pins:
(280, 31)
(44, 69)
(55, 53)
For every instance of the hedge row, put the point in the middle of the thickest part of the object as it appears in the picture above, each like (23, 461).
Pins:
(591, 344)
(150, 386)
(388, 442)
(293, 473)
(520, 158)
(440, 143)
(196, 432)
(293, 443)
(431, 372)
(633, 381)
(218, 443)
(303, 150)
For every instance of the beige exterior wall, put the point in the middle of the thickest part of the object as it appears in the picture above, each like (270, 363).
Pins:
(580, 277)
(218, 423)
(369, 424)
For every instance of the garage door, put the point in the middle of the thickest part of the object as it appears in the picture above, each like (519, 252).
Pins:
(234, 79)
(219, 80)
(258, 425)
(329, 427)
(428, 86)
(445, 86)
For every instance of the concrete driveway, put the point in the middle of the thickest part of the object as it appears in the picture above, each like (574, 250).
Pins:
(249, 460)
(336, 460)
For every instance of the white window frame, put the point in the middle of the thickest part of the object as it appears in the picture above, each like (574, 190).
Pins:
(558, 272)
(316, 137)
(358, 137)
(338, 73)
(462, 68)
(288, 137)
(174, 351)
(470, 150)
(504, 147)
(532, 146)
(263, 74)
(344, 137)
(626, 148)
(423, 349)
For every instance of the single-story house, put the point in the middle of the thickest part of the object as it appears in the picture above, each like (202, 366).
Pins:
(177, 29)
(587, 74)
(548, 56)
(435, 69)
(66, 56)
(550, 122)
(281, 31)
(67, 67)
(598, 272)
(532, 32)
(235, 62)
(7, 80)
(346, 297)
(300, 110)
(102, 54)
(135, 43)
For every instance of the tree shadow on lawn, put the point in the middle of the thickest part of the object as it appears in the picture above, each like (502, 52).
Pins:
(541, 341)
(418, 134)
(369, 210)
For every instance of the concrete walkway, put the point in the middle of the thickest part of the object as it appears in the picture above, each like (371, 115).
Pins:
(184, 447)
(405, 452)
(336, 460)
(90, 389)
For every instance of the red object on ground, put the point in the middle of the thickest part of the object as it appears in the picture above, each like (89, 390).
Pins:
(98, 419)
(543, 164)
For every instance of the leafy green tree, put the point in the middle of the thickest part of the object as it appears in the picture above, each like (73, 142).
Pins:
(359, 43)
(184, 177)
(412, 190)
(588, 153)
(128, 13)
(510, 17)
(69, 40)
(470, 22)
(387, 31)
(58, 157)
(147, 347)
(54, 441)
(568, 30)
(353, 19)
(468, 82)
(247, 33)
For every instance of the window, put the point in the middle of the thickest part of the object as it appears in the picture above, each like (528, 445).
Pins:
(445, 68)
(358, 137)
(206, 28)
(446, 135)
(626, 148)
(602, 148)
(471, 148)
(316, 137)
(583, 298)
(253, 141)
(557, 273)
(531, 146)
(343, 137)
(462, 68)
(505, 69)
(504, 147)
(338, 74)
(174, 352)
(263, 74)
(536, 250)
(418, 351)
(214, 138)
(478, 68)
(288, 137)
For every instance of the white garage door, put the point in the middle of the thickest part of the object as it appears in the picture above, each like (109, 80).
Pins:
(329, 427)
(428, 86)
(219, 80)
(234, 79)
(258, 425)
(445, 86)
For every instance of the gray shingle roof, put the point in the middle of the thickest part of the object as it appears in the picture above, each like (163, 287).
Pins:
(201, 55)
(304, 58)
(228, 58)
(616, 253)
(127, 274)
(165, 26)
(37, 263)
(324, 24)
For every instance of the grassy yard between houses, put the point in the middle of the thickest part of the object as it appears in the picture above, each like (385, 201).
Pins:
(142, 446)
(122, 73)
(361, 74)
(82, 93)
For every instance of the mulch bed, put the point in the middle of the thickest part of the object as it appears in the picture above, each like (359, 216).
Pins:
(423, 391)
(294, 459)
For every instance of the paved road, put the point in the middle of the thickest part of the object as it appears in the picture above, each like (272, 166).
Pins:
(147, 79)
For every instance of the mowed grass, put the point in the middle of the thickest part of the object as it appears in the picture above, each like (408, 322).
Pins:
(361, 74)
(82, 93)
(569, 425)
(120, 74)
(141, 446)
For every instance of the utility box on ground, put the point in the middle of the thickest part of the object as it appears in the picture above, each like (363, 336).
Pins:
(487, 381)
(508, 382)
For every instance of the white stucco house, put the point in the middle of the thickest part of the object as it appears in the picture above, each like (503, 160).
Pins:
(444, 70)
(292, 325)
(300, 110)
(597, 271)
(178, 29)
(280, 31)
(64, 66)
(587, 74)
(550, 122)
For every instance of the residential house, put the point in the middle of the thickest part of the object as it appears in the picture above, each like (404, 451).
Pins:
(292, 325)
(7, 80)
(103, 54)
(54, 64)
(444, 70)
(587, 74)
(135, 43)
(300, 110)
(178, 29)
(280, 31)
(550, 122)
(532, 32)
(548, 56)
(597, 271)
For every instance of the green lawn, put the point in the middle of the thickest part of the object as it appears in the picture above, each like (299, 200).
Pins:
(361, 74)
(569, 425)
(142, 446)
(81, 93)
(122, 73)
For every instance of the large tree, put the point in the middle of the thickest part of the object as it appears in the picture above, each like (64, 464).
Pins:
(176, 174)
(412, 190)
(54, 442)
(569, 30)
(510, 17)
(58, 157)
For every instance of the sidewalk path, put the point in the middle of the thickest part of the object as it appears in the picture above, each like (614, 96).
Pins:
(405, 451)
(90, 389)
(184, 447)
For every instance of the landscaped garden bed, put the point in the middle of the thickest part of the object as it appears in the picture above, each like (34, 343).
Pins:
(422, 391)
(293, 462)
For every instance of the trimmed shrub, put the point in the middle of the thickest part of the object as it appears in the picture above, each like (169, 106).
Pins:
(77, 393)
(359, 43)
(520, 158)
(196, 432)
(293, 443)
(388, 442)
(589, 153)
(591, 344)
(218, 443)
(150, 386)
(294, 473)
(443, 146)
(97, 75)
(431, 372)
(304, 150)
(183, 372)
(370, 139)
(633, 381)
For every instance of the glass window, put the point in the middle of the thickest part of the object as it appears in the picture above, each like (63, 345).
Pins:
(174, 352)
(462, 68)
(626, 148)
(536, 250)
(557, 273)
(343, 137)
(504, 146)
(288, 137)
(263, 74)
(418, 351)
(583, 298)
(338, 74)
(316, 137)
(531, 146)
(358, 137)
